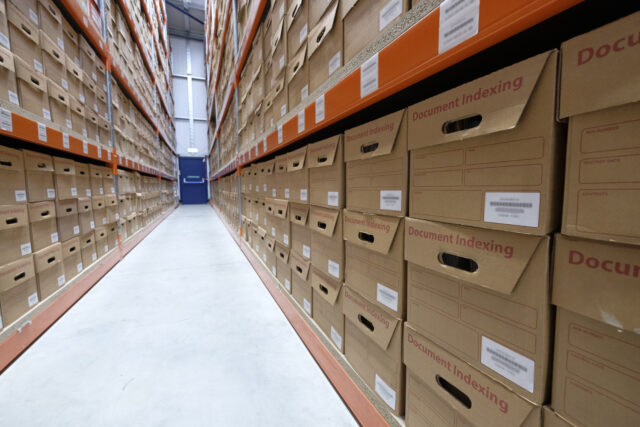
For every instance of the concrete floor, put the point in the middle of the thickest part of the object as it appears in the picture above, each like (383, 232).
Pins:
(181, 332)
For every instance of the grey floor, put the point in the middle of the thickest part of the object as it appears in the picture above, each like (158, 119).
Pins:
(180, 333)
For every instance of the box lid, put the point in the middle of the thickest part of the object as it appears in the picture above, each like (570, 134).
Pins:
(280, 164)
(323, 153)
(299, 265)
(69, 31)
(66, 207)
(95, 171)
(598, 280)
(13, 216)
(57, 94)
(320, 32)
(16, 272)
(71, 247)
(282, 252)
(84, 204)
(347, 5)
(266, 168)
(374, 232)
(34, 161)
(275, 37)
(101, 233)
(298, 213)
(74, 69)
(327, 287)
(87, 239)
(110, 200)
(372, 139)
(41, 211)
(11, 159)
(600, 68)
(82, 169)
(52, 49)
(487, 258)
(18, 20)
(76, 106)
(323, 221)
(278, 207)
(6, 60)
(52, 9)
(48, 257)
(63, 166)
(296, 159)
(297, 62)
(270, 242)
(34, 79)
(292, 13)
(489, 104)
(368, 318)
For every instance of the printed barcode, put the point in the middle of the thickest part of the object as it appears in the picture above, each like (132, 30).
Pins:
(452, 6)
(369, 76)
(6, 120)
(457, 27)
(510, 364)
(385, 392)
(511, 204)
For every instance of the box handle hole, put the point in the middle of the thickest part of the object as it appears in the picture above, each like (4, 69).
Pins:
(321, 34)
(298, 269)
(50, 260)
(453, 126)
(324, 289)
(19, 276)
(11, 220)
(454, 391)
(369, 148)
(322, 225)
(455, 261)
(366, 237)
(366, 322)
(322, 159)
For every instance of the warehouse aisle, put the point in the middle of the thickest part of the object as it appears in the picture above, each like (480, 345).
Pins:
(180, 333)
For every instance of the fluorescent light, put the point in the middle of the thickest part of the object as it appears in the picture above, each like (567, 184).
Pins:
(192, 150)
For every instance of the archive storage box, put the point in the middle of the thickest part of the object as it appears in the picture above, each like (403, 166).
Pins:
(39, 172)
(303, 293)
(15, 239)
(102, 244)
(324, 48)
(49, 270)
(13, 188)
(326, 172)
(24, 36)
(32, 90)
(54, 62)
(88, 249)
(327, 246)
(42, 224)
(72, 258)
(83, 179)
(67, 218)
(297, 190)
(59, 105)
(18, 289)
(327, 310)
(65, 178)
(8, 77)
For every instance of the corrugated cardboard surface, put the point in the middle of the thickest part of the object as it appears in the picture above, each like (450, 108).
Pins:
(325, 47)
(72, 258)
(283, 274)
(18, 289)
(43, 225)
(13, 188)
(326, 175)
(505, 173)
(329, 318)
(88, 249)
(327, 246)
(15, 239)
(302, 293)
(49, 270)
(599, 93)
(552, 419)
(39, 173)
(298, 176)
(301, 240)
(497, 317)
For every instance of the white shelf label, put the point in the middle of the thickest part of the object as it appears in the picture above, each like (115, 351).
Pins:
(458, 22)
(32, 299)
(286, 193)
(303, 33)
(42, 132)
(307, 306)
(333, 198)
(303, 194)
(99, 151)
(74, 191)
(391, 11)
(512, 208)
(287, 284)
(336, 337)
(85, 147)
(69, 124)
(387, 297)
(304, 92)
(61, 280)
(506, 362)
(79, 267)
(88, 192)
(13, 97)
(281, 62)
(334, 269)
(65, 140)
(320, 109)
(25, 249)
(334, 63)
(301, 121)
(280, 135)
(46, 114)
(385, 392)
(76, 229)
(6, 120)
(369, 76)
(106, 248)
(54, 237)
(264, 145)
(273, 269)
(21, 195)
(273, 192)
(306, 251)
(51, 193)
(391, 200)
(92, 225)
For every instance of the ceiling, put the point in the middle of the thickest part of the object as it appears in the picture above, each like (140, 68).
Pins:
(180, 23)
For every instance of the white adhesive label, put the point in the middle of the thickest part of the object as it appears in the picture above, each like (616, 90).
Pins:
(385, 392)
(85, 147)
(4, 40)
(101, 191)
(99, 151)
(391, 11)
(13, 97)
(88, 192)
(287, 284)
(104, 221)
(286, 193)
(65, 140)
(512, 208)
(273, 270)
(250, 186)
(25, 249)
(76, 229)
(6, 120)
(42, 132)
(94, 256)
(334, 63)
(51, 193)
(458, 22)
(82, 99)
(94, 77)
(65, 84)
(387, 297)
(46, 114)
(391, 200)
(54, 237)
(273, 192)
(334, 269)
(320, 109)
(301, 121)
(21, 195)
(117, 216)
(280, 135)
(336, 337)
(60, 43)
(74, 192)
(33, 16)
(369, 76)
(264, 187)
(264, 257)
(264, 145)
(92, 225)
(61, 280)
(304, 92)
(32, 299)
(306, 251)
(79, 267)
(506, 362)
(332, 198)
(303, 194)
(285, 239)
(69, 124)
(273, 231)
(38, 66)
(307, 306)
(283, 110)
(109, 152)
(95, 107)
(281, 62)
(106, 248)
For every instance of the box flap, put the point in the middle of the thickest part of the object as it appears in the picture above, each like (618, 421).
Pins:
(70, 247)
(76, 106)
(298, 213)
(266, 168)
(58, 94)
(6, 60)
(299, 265)
(598, 280)
(101, 233)
(110, 200)
(320, 32)
(372, 139)
(41, 211)
(322, 220)
(69, 32)
(374, 232)
(278, 85)
(13, 216)
(34, 161)
(370, 320)
(52, 49)
(11, 159)
(323, 153)
(600, 68)
(327, 287)
(63, 166)
(84, 204)
(487, 258)
(282, 252)
(18, 20)
(256, 72)
(16, 272)
(88, 239)
(296, 63)
(296, 159)
(489, 104)
(292, 13)
(66, 207)
(280, 164)
(48, 257)
(51, 8)
(75, 70)
(347, 5)
(97, 202)
(34, 79)
(95, 171)
(275, 37)
(270, 243)
(278, 208)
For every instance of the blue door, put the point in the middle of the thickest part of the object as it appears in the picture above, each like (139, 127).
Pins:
(193, 180)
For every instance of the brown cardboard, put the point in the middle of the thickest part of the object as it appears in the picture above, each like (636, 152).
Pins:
(502, 174)
(597, 348)
(13, 188)
(303, 293)
(494, 303)
(54, 61)
(301, 240)
(373, 346)
(324, 48)
(327, 299)
(264, 171)
(299, 265)
(51, 21)
(280, 227)
(99, 210)
(15, 240)
(4, 26)
(107, 181)
(552, 419)
(464, 395)
(49, 270)
(25, 38)
(283, 274)
(42, 224)
(8, 77)
(317, 8)
(374, 259)
(282, 253)
(39, 172)
(74, 78)
(59, 105)
(96, 173)
(88, 249)
(599, 93)
(78, 123)
(32, 90)
(327, 247)
(298, 77)
(70, 38)
(65, 178)
(111, 203)
(102, 243)
(298, 177)
(87, 58)
(112, 235)
(278, 49)
(297, 25)
(325, 160)
(377, 165)
(18, 289)
(276, 102)
(268, 254)
(67, 218)
(280, 181)
(72, 258)
(83, 180)
(85, 215)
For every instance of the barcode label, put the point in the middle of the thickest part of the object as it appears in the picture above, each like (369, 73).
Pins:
(280, 135)
(61, 280)
(273, 270)
(101, 191)
(306, 251)
(104, 221)
(4, 40)
(391, 11)
(334, 269)
(85, 147)
(42, 132)
(94, 256)
(506, 362)
(13, 97)
(281, 62)
(307, 306)
(54, 237)
(21, 195)
(387, 297)
(106, 248)
(88, 192)
(273, 231)
(286, 193)
(94, 77)
(336, 337)
(303, 33)
(92, 225)
(512, 208)
(82, 99)
(285, 239)
(46, 114)
(117, 216)
(38, 66)
(283, 111)
(65, 84)
(51, 193)
(301, 121)
(458, 22)
(303, 194)
(332, 198)
(99, 151)
(6, 120)
(320, 109)
(281, 10)
(264, 187)
(60, 43)
(74, 192)
(264, 257)
(25, 249)
(33, 16)
(65, 140)
(76, 229)
(391, 200)
(264, 145)
(32, 299)
(385, 392)
(109, 152)
(304, 92)
(69, 124)
(79, 267)
(369, 76)
(287, 284)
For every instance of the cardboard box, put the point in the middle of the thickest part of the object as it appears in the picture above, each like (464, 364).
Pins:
(263, 178)
(111, 203)
(78, 123)
(283, 272)
(13, 188)
(377, 165)
(54, 61)
(483, 296)
(325, 160)
(72, 258)
(599, 93)
(25, 38)
(108, 183)
(49, 270)
(15, 240)
(276, 102)
(303, 293)
(28, 9)
(85, 215)
(374, 259)
(18, 290)
(88, 249)
(297, 26)
(65, 178)
(552, 419)
(74, 78)
(327, 247)
(59, 104)
(96, 173)
(445, 390)
(597, 347)
(480, 158)
(83, 179)
(99, 210)
(87, 60)
(51, 21)
(39, 172)
(365, 20)
(32, 90)
(67, 218)
(280, 178)
(280, 227)
(327, 298)
(112, 235)
(278, 49)
(297, 190)
(70, 39)
(324, 48)
(300, 233)
(8, 77)
(299, 265)
(269, 254)
(298, 78)
(373, 346)
(4, 26)
(42, 224)
(102, 243)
